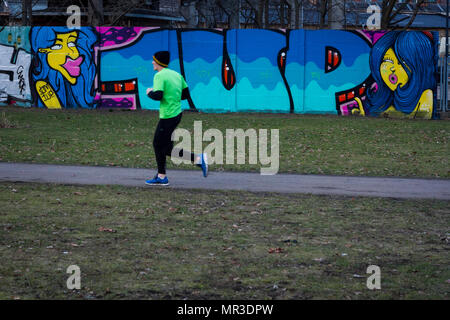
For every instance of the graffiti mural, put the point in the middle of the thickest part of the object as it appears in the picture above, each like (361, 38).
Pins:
(334, 62)
(403, 65)
(247, 70)
(250, 70)
(63, 69)
(14, 66)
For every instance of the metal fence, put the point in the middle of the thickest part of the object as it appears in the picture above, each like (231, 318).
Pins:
(444, 82)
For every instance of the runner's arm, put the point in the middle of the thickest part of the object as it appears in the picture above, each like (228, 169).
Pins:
(185, 90)
(185, 94)
(156, 95)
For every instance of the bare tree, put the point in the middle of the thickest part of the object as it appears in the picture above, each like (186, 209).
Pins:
(336, 14)
(27, 16)
(259, 12)
(232, 8)
(322, 7)
(207, 13)
(296, 20)
(283, 13)
(190, 14)
(118, 8)
(95, 13)
(391, 9)
(210, 13)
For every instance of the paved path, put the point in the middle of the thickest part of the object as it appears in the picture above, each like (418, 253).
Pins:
(185, 179)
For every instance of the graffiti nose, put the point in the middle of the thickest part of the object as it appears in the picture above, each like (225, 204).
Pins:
(73, 54)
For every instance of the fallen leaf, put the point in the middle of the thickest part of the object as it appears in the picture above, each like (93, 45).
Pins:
(101, 229)
(276, 250)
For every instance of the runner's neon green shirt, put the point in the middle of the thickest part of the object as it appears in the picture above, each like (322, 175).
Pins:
(171, 83)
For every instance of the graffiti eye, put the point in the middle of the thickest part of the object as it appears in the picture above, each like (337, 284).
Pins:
(71, 44)
(332, 59)
(56, 47)
(388, 61)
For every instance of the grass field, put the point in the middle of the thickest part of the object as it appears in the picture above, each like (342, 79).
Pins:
(138, 243)
(309, 144)
(135, 243)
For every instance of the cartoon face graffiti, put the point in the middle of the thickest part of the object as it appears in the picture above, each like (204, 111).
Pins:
(64, 57)
(63, 68)
(392, 72)
(402, 63)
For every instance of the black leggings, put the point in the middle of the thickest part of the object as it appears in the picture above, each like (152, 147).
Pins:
(163, 144)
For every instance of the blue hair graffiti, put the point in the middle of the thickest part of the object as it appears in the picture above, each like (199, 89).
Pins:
(81, 94)
(415, 52)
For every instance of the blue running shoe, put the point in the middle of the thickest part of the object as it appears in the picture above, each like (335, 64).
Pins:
(157, 181)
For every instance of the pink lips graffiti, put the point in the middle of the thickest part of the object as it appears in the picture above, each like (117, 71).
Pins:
(73, 66)
(393, 78)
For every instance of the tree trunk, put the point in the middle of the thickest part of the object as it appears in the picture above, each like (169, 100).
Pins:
(390, 9)
(386, 10)
(190, 14)
(336, 14)
(323, 7)
(24, 13)
(235, 11)
(260, 14)
(266, 14)
(95, 13)
(27, 13)
(292, 14)
(299, 13)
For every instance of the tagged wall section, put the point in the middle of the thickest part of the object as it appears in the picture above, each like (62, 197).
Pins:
(289, 71)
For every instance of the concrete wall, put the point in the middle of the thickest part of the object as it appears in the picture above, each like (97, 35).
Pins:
(297, 71)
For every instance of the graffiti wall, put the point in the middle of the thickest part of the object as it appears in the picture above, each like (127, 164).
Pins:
(291, 71)
(15, 61)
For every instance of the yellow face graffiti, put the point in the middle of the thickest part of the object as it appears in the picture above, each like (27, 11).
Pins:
(392, 72)
(63, 56)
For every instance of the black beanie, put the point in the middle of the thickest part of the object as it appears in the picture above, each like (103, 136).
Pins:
(162, 58)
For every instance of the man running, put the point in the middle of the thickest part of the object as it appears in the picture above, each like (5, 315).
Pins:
(169, 87)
